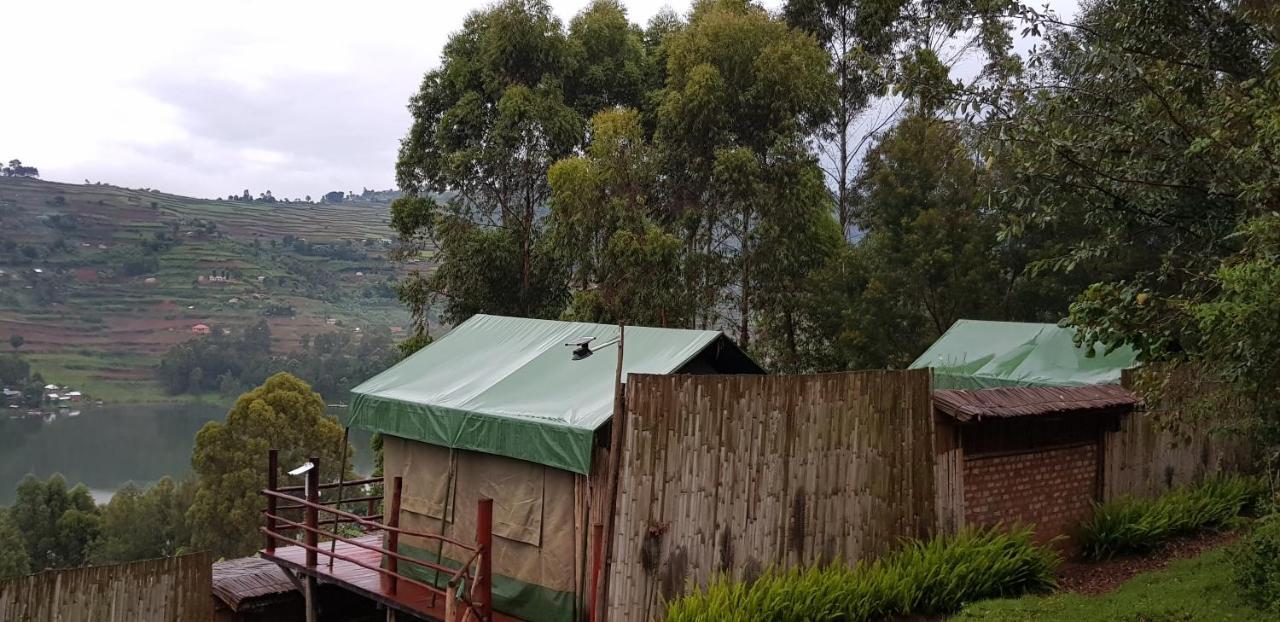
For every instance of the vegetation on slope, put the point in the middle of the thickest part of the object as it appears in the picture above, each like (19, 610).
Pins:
(924, 578)
(1190, 590)
(98, 282)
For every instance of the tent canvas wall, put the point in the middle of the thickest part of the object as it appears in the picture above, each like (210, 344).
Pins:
(976, 354)
(500, 408)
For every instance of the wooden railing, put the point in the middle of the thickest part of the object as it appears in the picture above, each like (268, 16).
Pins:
(467, 593)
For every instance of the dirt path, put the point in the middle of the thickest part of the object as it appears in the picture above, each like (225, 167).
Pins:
(1096, 578)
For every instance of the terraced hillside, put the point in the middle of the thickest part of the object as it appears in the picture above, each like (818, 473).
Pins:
(100, 281)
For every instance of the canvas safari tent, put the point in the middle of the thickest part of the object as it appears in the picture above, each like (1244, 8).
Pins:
(501, 408)
(975, 354)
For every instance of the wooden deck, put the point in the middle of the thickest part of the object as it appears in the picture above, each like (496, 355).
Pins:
(408, 599)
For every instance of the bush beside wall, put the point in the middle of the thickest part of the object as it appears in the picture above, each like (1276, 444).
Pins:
(1132, 526)
(924, 578)
(1255, 563)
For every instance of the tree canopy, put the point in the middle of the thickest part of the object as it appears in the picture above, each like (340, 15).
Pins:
(230, 457)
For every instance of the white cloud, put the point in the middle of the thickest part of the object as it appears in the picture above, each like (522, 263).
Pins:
(298, 97)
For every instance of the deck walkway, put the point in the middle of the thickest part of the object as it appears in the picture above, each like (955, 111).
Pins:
(408, 598)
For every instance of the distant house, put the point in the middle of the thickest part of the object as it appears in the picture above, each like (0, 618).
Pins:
(75, 396)
(200, 329)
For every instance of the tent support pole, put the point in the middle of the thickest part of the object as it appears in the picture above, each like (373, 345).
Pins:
(601, 587)
(444, 517)
(342, 479)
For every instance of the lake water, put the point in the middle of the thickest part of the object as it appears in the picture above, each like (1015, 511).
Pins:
(106, 446)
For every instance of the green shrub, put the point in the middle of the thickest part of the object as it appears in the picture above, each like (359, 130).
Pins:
(924, 578)
(1255, 563)
(1130, 526)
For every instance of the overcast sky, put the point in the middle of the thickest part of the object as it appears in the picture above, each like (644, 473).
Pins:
(208, 99)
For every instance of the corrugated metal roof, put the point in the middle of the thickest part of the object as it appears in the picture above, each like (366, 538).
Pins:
(1007, 402)
(236, 581)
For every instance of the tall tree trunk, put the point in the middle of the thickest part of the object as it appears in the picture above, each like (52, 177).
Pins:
(744, 308)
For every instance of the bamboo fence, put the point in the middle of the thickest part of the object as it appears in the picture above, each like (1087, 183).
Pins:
(157, 590)
(736, 474)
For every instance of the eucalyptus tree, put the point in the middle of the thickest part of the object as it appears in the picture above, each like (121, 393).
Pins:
(622, 265)
(507, 101)
(891, 57)
(742, 94)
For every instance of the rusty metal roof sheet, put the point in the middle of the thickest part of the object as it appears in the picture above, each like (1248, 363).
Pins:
(236, 581)
(1008, 402)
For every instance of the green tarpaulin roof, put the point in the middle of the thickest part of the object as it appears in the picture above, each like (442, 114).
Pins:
(974, 354)
(509, 386)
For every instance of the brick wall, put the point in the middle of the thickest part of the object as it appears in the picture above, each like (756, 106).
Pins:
(1050, 488)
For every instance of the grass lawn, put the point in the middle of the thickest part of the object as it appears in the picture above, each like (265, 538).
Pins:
(1188, 590)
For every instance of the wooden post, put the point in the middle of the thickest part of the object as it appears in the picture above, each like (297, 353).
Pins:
(312, 514)
(450, 603)
(337, 504)
(597, 551)
(311, 537)
(601, 588)
(484, 576)
(310, 598)
(392, 519)
(273, 483)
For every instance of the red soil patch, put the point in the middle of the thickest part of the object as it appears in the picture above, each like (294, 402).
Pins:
(1101, 577)
(86, 275)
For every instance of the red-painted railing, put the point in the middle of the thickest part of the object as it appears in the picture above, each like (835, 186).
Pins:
(467, 593)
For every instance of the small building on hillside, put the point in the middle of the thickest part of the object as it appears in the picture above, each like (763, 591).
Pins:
(1022, 421)
(519, 411)
(200, 329)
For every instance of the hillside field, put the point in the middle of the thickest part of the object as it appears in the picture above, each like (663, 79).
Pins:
(99, 281)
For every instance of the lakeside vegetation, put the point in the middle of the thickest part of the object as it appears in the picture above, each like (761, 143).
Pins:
(52, 524)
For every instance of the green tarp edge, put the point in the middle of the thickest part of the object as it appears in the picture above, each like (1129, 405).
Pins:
(981, 354)
(548, 443)
(526, 601)
(944, 380)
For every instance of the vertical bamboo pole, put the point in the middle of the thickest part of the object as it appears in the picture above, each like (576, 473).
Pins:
(601, 587)
(337, 505)
(450, 600)
(597, 550)
(311, 536)
(312, 514)
(392, 519)
(273, 483)
(484, 576)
